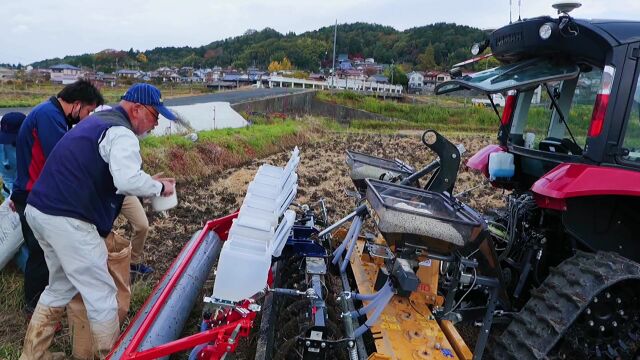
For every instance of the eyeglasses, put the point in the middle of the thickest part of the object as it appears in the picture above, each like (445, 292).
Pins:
(155, 115)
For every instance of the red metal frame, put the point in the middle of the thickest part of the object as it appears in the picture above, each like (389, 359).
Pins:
(572, 180)
(219, 333)
(221, 226)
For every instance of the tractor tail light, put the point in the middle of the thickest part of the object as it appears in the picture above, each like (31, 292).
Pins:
(602, 101)
(509, 106)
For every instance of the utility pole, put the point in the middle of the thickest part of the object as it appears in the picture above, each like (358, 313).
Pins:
(335, 34)
(392, 70)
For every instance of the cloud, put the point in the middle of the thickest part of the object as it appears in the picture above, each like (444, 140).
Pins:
(42, 29)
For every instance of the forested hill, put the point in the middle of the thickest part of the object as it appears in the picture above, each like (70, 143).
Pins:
(433, 46)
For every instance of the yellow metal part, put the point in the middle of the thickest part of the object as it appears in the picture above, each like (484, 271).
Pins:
(406, 328)
(459, 346)
(377, 356)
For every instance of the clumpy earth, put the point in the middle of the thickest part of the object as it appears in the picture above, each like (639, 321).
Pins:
(323, 174)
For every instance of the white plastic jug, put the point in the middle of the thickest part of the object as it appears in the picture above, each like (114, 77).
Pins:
(501, 166)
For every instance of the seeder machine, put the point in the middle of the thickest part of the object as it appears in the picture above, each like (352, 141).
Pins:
(553, 274)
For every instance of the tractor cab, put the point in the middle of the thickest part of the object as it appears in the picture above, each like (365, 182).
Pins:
(572, 95)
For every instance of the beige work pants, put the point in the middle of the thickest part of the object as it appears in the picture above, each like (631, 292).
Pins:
(133, 211)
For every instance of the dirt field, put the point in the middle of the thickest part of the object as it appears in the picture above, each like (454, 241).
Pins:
(322, 174)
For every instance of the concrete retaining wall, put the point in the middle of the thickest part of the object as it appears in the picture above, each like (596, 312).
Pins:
(306, 103)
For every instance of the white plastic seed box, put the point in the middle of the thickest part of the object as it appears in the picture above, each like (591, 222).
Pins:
(241, 273)
(283, 232)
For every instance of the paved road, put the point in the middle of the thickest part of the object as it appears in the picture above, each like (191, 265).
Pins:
(233, 96)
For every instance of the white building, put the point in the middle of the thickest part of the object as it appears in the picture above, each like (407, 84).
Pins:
(416, 80)
(65, 74)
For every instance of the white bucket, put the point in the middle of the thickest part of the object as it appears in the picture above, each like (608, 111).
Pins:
(162, 203)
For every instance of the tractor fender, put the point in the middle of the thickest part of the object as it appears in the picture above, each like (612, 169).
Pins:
(570, 180)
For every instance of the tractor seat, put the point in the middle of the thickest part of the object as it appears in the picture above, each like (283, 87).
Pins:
(560, 146)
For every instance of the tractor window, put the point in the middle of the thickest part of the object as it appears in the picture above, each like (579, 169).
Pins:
(522, 75)
(582, 105)
(632, 134)
(554, 136)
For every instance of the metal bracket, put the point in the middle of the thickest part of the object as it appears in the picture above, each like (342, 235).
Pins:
(444, 178)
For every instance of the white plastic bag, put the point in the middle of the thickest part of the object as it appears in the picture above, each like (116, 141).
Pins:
(10, 234)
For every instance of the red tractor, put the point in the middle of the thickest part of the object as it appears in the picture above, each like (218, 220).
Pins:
(564, 249)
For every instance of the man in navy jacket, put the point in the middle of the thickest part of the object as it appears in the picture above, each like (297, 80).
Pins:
(72, 206)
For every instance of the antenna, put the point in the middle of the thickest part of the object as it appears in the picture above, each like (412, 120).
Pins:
(566, 8)
(510, 6)
(519, 3)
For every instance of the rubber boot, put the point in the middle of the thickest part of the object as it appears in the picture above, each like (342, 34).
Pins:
(40, 332)
(81, 339)
(104, 336)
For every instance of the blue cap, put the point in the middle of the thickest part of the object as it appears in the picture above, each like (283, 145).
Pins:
(146, 94)
(9, 126)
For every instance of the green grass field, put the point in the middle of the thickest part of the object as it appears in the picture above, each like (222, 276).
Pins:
(28, 95)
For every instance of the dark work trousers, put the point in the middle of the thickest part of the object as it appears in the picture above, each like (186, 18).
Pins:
(36, 273)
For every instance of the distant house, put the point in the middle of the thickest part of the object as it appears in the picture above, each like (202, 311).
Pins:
(416, 81)
(317, 77)
(165, 74)
(131, 74)
(7, 74)
(231, 76)
(433, 78)
(65, 74)
(108, 79)
(380, 79)
(351, 73)
(100, 79)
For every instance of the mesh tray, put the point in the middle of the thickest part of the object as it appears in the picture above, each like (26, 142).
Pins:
(363, 166)
(428, 219)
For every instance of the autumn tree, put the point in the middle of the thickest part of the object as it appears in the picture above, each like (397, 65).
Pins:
(274, 66)
(142, 58)
(286, 64)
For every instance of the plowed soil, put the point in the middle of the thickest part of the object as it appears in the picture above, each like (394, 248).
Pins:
(323, 174)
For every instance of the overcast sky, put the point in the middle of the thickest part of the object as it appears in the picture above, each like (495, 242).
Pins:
(34, 30)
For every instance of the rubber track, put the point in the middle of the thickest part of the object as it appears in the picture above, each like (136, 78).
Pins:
(558, 302)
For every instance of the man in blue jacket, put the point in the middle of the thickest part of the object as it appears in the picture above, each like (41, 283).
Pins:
(72, 208)
(40, 132)
(9, 126)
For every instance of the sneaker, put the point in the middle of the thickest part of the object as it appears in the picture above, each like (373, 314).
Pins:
(141, 269)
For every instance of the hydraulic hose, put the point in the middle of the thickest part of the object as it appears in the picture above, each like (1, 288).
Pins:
(374, 317)
(352, 245)
(352, 234)
(368, 297)
(338, 251)
(375, 303)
